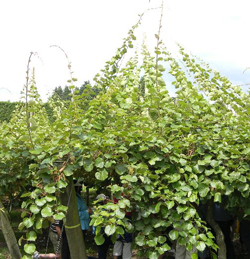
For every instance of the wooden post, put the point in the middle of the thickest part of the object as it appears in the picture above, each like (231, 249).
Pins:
(222, 251)
(9, 234)
(72, 224)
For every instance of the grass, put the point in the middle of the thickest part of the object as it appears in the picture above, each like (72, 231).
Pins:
(4, 253)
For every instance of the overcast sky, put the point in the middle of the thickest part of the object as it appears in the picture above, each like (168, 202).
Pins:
(90, 31)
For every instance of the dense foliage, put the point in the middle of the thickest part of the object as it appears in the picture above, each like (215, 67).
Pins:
(160, 156)
(6, 109)
(63, 94)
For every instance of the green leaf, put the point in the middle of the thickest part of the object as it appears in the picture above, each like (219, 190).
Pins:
(21, 226)
(187, 225)
(193, 197)
(101, 175)
(120, 214)
(153, 255)
(183, 162)
(28, 222)
(203, 190)
(119, 230)
(246, 151)
(140, 192)
(139, 225)
(210, 235)
(166, 247)
(108, 164)
(39, 223)
(46, 161)
(173, 234)
(62, 208)
(31, 236)
(170, 204)
(194, 256)
(152, 243)
(40, 202)
(198, 169)
(161, 68)
(23, 214)
(130, 178)
(34, 209)
(88, 164)
(24, 138)
(201, 246)
(182, 240)
(242, 187)
(188, 169)
(147, 230)
(209, 172)
(133, 37)
(27, 194)
(50, 189)
(26, 154)
(183, 233)
(99, 162)
(61, 184)
(123, 203)
(99, 239)
(174, 178)
(186, 188)
(50, 198)
(193, 231)
(68, 171)
(214, 163)
(46, 212)
(164, 212)
(162, 239)
(140, 240)
(121, 169)
(59, 216)
(29, 248)
(98, 221)
(189, 214)
(36, 151)
(157, 207)
(203, 237)
(217, 197)
(181, 209)
(110, 230)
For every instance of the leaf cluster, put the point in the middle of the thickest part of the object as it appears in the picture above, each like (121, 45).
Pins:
(160, 156)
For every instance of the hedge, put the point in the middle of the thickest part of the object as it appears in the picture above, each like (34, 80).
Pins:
(6, 109)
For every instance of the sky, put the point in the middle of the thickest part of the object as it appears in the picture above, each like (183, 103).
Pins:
(90, 31)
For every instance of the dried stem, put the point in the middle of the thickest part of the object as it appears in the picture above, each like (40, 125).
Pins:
(27, 99)
(158, 42)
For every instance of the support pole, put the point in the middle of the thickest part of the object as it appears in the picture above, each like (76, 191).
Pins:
(9, 234)
(72, 224)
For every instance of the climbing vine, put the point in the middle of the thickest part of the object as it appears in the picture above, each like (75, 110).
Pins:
(160, 156)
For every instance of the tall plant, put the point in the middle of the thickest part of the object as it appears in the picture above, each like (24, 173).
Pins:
(160, 156)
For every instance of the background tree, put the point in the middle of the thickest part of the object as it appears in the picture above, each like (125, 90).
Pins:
(85, 89)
